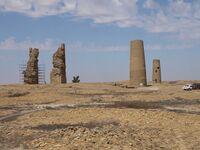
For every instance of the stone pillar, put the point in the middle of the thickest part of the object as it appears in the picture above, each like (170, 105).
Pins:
(31, 72)
(58, 73)
(137, 64)
(156, 74)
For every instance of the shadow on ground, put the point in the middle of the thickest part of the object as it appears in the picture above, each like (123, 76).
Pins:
(178, 106)
(89, 125)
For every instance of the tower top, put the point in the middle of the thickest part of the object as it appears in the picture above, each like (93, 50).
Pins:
(62, 46)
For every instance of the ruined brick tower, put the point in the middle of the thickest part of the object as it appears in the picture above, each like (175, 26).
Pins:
(58, 73)
(31, 72)
(137, 64)
(156, 73)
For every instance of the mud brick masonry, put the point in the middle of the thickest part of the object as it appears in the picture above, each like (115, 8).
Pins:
(58, 73)
(156, 72)
(137, 64)
(31, 72)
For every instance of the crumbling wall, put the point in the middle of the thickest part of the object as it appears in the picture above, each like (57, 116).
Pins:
(31, 72)
(58, 73)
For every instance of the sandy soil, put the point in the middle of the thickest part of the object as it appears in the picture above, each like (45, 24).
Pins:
(99, 116)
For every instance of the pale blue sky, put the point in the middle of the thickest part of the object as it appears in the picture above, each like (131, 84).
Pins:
(97, 35)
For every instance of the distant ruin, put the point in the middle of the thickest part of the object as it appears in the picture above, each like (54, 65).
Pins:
(58, 73)
(31, 72)
(156, 73)
(137, 64)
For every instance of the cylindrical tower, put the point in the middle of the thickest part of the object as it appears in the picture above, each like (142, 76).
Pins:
(137, 64)
(156, 74)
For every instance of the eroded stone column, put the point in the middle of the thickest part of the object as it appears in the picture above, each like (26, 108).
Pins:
(137, 64)
(58, 73)
(156, 73)
(31, 72)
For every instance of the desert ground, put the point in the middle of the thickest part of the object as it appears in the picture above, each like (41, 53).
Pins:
(99, 116)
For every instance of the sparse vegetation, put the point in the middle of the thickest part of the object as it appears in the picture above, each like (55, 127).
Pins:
(75, 79)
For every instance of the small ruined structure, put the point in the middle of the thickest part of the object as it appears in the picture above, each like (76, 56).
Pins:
(156, 73)
(137, 64)
(31, 72)
(58, 73)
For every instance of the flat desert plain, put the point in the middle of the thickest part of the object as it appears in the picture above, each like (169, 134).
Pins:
(99, 116)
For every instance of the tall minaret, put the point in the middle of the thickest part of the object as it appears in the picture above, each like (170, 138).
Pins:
(137, 64)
